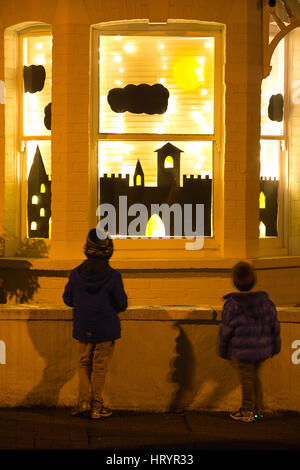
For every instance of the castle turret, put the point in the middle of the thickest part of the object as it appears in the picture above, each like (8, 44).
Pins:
(138, 177)
(168, 165)
(39, 199)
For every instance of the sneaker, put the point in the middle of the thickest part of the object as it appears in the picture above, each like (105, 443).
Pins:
(243, 415)
(100, 411)
(81, 409)
(258, 414)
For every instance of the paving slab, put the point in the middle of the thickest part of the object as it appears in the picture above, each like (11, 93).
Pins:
(39, 429)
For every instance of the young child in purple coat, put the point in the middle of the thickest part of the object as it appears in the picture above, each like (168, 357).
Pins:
(249, 334)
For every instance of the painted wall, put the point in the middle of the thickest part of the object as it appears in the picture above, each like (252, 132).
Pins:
(166, 359)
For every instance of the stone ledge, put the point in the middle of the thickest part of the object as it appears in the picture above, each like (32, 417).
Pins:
(126, 265)
(183, 313)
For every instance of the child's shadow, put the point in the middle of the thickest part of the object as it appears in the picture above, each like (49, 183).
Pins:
(203, 379)
(52, 338)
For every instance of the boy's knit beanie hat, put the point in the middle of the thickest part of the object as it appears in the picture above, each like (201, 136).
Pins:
(95, 247)
(243, 276)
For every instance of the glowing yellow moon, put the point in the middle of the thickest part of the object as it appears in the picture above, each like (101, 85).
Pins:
(188, 72)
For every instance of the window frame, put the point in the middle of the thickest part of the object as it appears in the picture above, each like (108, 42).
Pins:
(21, 138)
(272, 246)
(175, 28)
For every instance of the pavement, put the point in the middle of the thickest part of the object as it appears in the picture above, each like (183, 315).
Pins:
(139, 432)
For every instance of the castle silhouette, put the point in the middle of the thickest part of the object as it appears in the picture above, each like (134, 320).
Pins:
(195, 190)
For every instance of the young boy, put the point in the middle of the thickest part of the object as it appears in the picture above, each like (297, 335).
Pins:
(96, 293)
(249, 334)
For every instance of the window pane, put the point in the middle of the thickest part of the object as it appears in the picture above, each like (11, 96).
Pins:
(156, 172)
(37, 51)
(269, 181)
(184, 66)
(38, 189)
(273, 85)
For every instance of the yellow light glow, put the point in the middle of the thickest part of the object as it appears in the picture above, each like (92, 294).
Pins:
(117, 38)
(162, 80)
(187, 73)
(262, 230)
(118, 82)
(33, 226)
(262, 201)
(42, 212)
(35, 200)
(39, 46)
(198, 116)
(129, 48)
(164, 67)
(155, 227)
(40, 59)
(121, 70)
(204, 92)
(117, 58)
(169, 162)
(43, 188)
(138, 180)
(162, 46)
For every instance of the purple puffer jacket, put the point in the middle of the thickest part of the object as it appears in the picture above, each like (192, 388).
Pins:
(249, 330)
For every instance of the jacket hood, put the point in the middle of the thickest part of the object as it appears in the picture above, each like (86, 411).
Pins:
(250, 302)
(94, 272)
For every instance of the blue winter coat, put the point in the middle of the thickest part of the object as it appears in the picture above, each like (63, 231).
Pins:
(96, 293)
(249, 330)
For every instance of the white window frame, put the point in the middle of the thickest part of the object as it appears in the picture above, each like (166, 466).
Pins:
(179, 28)
(278, 246)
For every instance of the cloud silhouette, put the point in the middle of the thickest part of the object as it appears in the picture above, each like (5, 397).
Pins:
(47, 118)
(34, 78)
(275, 108)
(138, 99)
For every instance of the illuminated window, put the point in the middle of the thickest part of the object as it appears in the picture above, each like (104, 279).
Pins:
(35, 79)
(262, 201)
(169, 163)
(272, 144)
(157, 95)
(262, 230)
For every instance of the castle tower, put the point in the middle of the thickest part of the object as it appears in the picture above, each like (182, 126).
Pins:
(138, 177)
(39, 199)
(168, 165)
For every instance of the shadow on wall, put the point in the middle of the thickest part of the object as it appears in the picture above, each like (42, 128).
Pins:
(52, 339)
(16, 281)
(202, 381)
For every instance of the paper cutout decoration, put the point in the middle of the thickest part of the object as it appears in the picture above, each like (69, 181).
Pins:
(39, 199)
(138, 177)
(188, 73)
(275, 109)
(268, 210)
(194, 190)
(34, 78)
(138, 99)
(167, 175)
(47, 118)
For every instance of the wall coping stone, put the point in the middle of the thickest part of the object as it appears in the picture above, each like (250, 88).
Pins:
(147, 265)
(182, 313)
